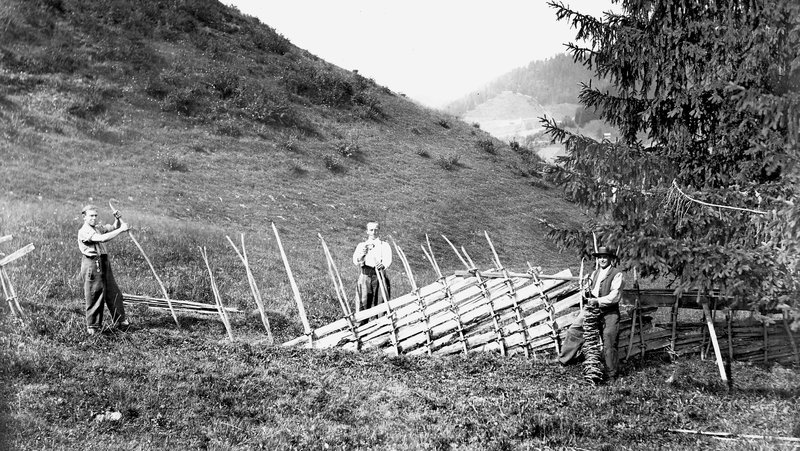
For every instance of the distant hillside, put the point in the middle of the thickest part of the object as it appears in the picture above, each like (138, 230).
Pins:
(556, 80)
(194, 115)
(508, 114)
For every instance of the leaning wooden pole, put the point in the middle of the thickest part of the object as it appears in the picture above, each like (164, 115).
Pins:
(7, 295)
(452, 306)
(791, 338)
(389, 313)
(150, 264)
(217, 298)
(712, 332)
(251, 280)
(12, 294)
(340, 294)
(158, 279)
(519, 317)
(296, 291)
(501, 339)
(421, 305)
(464, 262)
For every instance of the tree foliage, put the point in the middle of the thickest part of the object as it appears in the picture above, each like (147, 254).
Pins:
(705, 95)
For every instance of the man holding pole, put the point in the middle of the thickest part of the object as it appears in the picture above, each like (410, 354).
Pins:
(602, 299)
(99, 286)
(372, 256)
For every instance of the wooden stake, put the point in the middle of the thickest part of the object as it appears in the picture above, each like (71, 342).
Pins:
(713, 334)
(513, 296)
(729, 321)
(17, 254)
(217, 298)
(730, 435)
(464, 262)
(498, 331)
(453, 308)
(6, 294)
(415, 292)
(251, 280)
(340, 294)
(12, 294)
(791, 338)
(548, 307)
(766, 341)
(389, 313)
(301, 309)
(158, 279)
(675, 324)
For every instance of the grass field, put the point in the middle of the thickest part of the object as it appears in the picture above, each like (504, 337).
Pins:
(200, 123)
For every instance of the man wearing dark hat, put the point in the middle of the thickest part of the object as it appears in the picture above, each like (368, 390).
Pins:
(604, 292)
(99, 286)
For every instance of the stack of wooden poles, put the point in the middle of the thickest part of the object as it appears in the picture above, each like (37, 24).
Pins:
(495, 310)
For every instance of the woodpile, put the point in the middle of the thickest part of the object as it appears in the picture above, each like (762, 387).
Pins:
(177, 305)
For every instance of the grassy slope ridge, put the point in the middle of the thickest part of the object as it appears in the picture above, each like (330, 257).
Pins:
(201, 123)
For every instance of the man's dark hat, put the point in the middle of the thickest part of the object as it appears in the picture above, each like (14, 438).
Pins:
(603, 251)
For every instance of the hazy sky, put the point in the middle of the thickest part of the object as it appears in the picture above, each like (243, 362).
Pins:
(434, 51)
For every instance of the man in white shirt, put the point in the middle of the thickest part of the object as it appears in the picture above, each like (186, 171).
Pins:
(99, 286)
(605, 292)
(372, 256)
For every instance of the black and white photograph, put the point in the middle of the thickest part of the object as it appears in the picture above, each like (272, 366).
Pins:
(399, 225)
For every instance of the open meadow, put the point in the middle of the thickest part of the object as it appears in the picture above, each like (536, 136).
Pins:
(200, 123)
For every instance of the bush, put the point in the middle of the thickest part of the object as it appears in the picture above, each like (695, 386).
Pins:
(443, 123)
(448, 162)
(422, 152)
(87, 108)
(368, 106)
(295, 167)
(172, 162)
(185, 101)
(476, 125)
(292, 143)
(515, 146)
(332, 163)
(229, 129)
(348, 147)
(487, 145)
(318, 84)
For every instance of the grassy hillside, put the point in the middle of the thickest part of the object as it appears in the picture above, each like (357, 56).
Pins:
(201, 123)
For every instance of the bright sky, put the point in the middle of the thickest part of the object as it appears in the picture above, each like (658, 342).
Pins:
(434, 51)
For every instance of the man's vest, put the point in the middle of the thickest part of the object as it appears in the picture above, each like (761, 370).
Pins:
(605, 285)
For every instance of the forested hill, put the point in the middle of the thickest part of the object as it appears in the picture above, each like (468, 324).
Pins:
(555, 80)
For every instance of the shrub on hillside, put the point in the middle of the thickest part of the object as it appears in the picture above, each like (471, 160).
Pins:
(172, 162)
(185, 101)
(487, 145)
(443, 123)
(318, 84)
(292, 143)
(87, 108)
(223, 80)
(268, 40)
(229, 128)
(332, 163)
(448, 162)
(348, 147)
(421, 151)
(368, 106)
